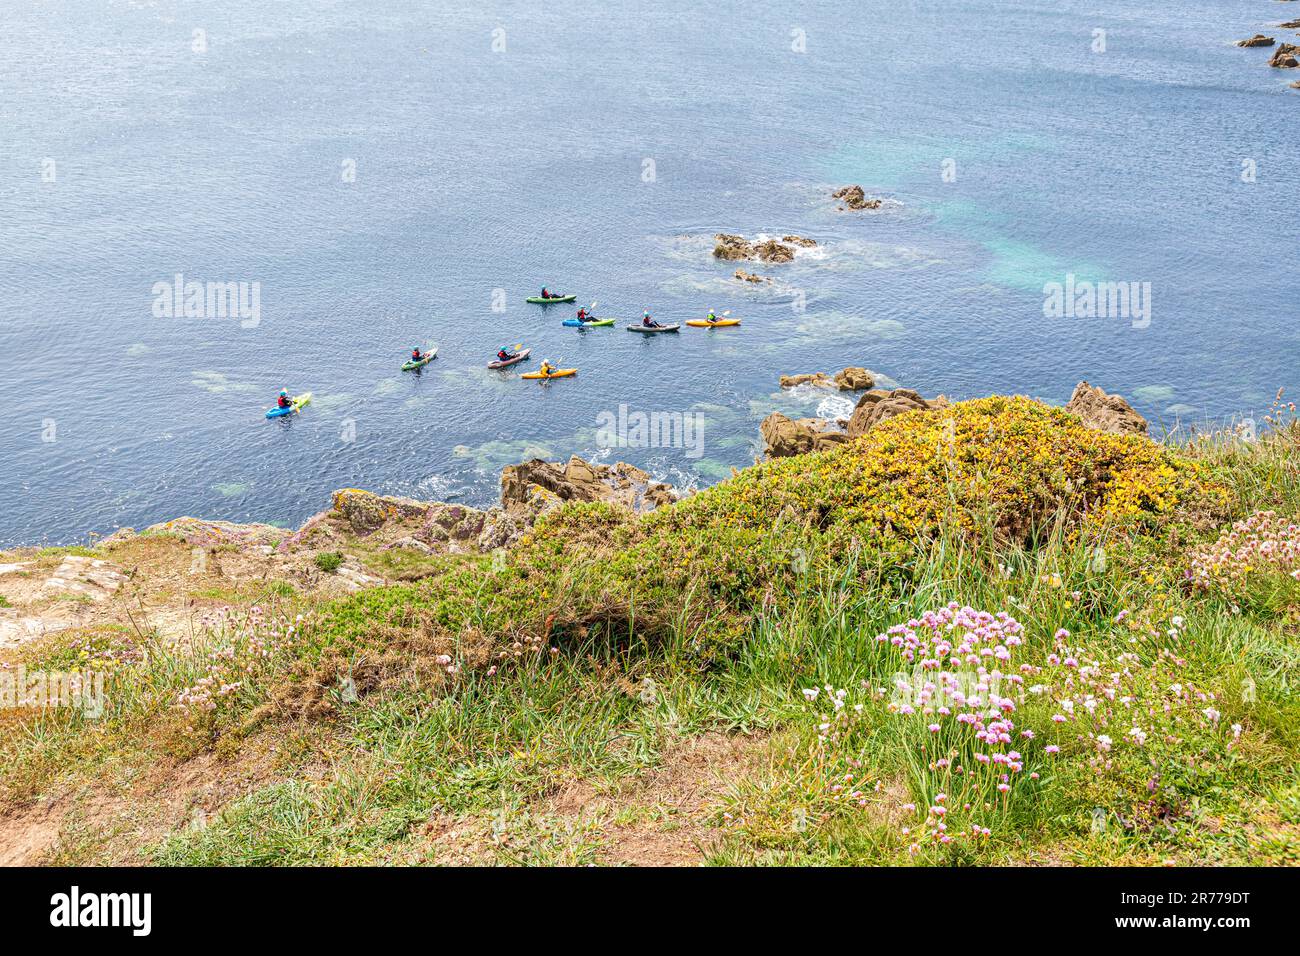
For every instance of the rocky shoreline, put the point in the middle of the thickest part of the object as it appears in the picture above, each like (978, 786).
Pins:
(533, 488)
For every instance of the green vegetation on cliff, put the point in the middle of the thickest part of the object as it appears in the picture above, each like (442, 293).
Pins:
(978, 634)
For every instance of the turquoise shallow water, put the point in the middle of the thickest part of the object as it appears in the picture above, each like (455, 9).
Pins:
(479, 171)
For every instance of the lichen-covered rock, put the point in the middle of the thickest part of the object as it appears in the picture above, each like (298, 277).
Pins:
(1104, 412)
(784, 436)
(579, 480)
(204, 534)
(365, 512)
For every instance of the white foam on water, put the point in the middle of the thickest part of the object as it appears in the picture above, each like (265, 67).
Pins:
(835, 407)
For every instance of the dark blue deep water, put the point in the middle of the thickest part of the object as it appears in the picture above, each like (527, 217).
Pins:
(479, 170)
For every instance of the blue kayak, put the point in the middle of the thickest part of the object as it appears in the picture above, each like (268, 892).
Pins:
(297, 405)
(587, 324)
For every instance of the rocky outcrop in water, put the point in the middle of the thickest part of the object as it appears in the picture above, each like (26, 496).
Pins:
(1105, 412)
(852, 379)
(1257, 40)
(1286, 57)
(730, 246)
(854, 198)
(784, 436)
(744, 276)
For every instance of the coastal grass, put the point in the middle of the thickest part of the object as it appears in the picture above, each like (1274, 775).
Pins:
(449, 719)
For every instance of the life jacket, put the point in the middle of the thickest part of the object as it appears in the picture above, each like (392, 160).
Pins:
(503, 355)
(284, 401)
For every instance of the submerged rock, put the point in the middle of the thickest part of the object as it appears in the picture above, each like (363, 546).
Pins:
(1104, 412)
(854, 198)
(744, 276)
(809, 378)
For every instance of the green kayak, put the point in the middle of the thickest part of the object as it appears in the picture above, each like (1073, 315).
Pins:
(429, 357)
(538, 300)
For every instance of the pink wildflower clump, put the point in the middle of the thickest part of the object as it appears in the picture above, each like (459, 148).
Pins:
(967, 700)
(236, 649)
(1262, 543)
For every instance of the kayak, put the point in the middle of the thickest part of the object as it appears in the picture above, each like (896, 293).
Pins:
(658, 328)
(518, 358)
(555, 298)
(558, 373)
(716, 324)
(298, 402)
(593, 324)
(422, 363)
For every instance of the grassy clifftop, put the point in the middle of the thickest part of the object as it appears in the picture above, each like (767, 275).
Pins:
(977, 634)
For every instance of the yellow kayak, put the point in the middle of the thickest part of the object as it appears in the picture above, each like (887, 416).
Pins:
(555, 373)
(716, 324)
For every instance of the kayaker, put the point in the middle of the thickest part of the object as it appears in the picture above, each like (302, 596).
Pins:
(648, 322)
(584, 315)
(504, 356)
(416, 355)
(284, 401)
(547, 367)
(710, 317)
(546, 293)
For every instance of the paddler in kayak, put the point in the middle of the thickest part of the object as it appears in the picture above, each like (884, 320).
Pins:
(547, 368)
(585, 316)
(710, 317)
(547, 294)
(504, 356)
(648, 322)
(284, 401)
(417, 355)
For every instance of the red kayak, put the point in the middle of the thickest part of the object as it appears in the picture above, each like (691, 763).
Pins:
(518, 358)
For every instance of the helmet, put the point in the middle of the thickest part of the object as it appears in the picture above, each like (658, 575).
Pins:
(645, 315)
(284, 391)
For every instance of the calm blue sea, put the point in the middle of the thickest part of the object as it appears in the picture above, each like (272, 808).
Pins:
(597, 149)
